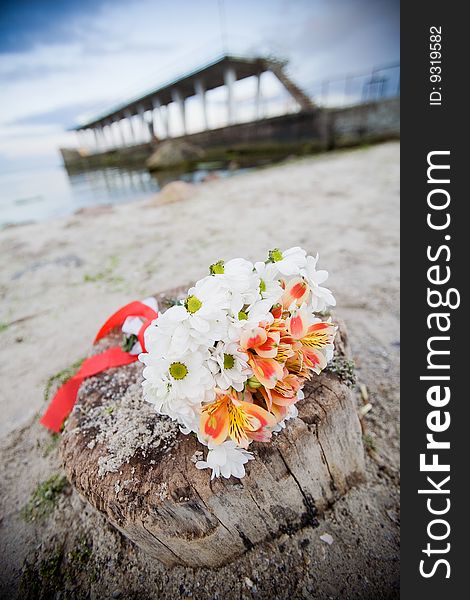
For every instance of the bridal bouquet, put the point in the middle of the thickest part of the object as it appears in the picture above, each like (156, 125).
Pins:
(229, 362)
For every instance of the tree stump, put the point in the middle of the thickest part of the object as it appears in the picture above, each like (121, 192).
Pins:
(138, 469)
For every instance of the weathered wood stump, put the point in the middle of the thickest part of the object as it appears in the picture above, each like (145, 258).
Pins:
(138, 469)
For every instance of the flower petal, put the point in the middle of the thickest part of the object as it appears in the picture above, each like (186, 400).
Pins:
(296, 291)
(253, 338)
(297, 325)
(259, 415)
(214, 423)
(266, 370)
(316, 357)
(270, 346)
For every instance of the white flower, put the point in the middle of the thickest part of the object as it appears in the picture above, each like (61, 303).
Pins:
(260, 311)
(329, 352)
(205, 303)
(238, 275)
(321, 296)
(240, 280)
(229, 366)
(185, 411)
(177, 388)
(171, 334)
(132, 325)
(290, 261)
(226, 460)
(270, 287)
(188, 376)
(199, 323)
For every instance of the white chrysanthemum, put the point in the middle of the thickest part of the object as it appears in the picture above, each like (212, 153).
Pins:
(270, 287)
(185, 411)
(229, 366)
(321, 296)
(288, 262)
(177, 388)
(226, 460)
(240, 280)
(206, 303)
(171, 334)
(188, 375)
(199, 323)
(238, 275)
(132, 325)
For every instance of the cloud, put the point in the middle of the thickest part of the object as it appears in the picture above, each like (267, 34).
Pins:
(22, 67)
(63, 116)
(102, 46)
(15, 72)
(338, 36)
(25, 24)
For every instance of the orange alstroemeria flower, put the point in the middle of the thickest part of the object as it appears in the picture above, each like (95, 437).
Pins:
(280, 412)
(228, 416)
(284, 392)
(296, 291)
(261, 345)
(315, 339)
(297, 364)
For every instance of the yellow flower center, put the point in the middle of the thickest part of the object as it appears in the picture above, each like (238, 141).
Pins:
(178, 370)
(239, 423)
(192, 304)
(316, 340)
(229, 361)
(275, 255)
(217, 268)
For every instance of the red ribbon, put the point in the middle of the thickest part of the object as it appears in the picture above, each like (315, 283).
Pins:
(64, 400)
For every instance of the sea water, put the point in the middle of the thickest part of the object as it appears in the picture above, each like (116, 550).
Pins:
(47, 192)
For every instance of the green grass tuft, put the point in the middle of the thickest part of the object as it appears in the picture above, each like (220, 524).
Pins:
(80, 555)
(54, 572)
(61, 377)
(44, 498)
(42, 579)
(128, 342)
(106, 275)
(51, 444)
(49, 569)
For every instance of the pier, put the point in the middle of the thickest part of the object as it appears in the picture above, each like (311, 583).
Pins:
(130, 132)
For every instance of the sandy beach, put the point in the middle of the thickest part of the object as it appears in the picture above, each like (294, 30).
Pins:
(60, 280)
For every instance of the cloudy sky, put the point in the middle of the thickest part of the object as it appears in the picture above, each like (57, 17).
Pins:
(63, 60)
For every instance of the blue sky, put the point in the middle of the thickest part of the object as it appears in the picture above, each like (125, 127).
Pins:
(61, 60)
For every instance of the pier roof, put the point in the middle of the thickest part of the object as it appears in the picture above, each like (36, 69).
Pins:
(212, 75)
